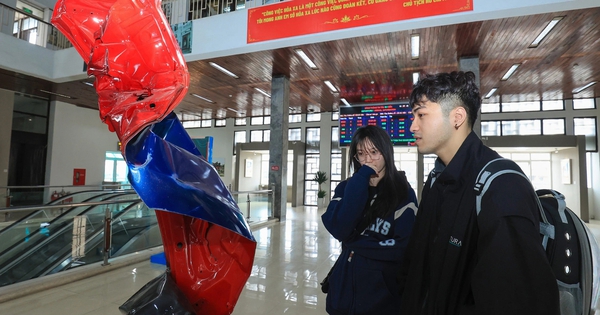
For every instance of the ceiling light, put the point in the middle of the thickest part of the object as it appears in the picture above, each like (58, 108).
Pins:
(233, 110)
(304, 57)
(545, 32)
(345, 102)
(57, 94)
(330, 86)
(579, 89)
(262, 92)
(510, 71)
(415, 43)
(415, 77)
(491, 92)
(227, 72)
(202, 98)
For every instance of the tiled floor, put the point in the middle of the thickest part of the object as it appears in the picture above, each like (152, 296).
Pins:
(291, 259)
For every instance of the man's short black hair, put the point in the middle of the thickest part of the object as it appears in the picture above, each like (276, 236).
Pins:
(450, 90)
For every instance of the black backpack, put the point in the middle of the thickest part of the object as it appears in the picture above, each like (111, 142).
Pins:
(570, 247)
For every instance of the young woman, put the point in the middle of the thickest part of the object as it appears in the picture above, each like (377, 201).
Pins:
(372, 214)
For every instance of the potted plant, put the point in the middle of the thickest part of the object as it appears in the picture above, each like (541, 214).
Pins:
(320, 178)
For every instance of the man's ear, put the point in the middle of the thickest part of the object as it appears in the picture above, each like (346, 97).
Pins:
(458, 117)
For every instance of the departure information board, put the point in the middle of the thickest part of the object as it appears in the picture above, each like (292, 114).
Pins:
(393, 118)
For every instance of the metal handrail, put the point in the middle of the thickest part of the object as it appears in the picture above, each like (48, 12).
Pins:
(72, 205)
(111, 186)
(63, 186)
(68, 205)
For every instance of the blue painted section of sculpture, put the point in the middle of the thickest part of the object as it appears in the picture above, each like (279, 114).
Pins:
(168, 172)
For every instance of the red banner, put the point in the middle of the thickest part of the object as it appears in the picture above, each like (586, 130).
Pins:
(301, 17)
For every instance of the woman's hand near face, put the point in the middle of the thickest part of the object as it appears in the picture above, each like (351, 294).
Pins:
(375, 178)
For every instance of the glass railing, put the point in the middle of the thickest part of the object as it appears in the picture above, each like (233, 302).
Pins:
(45, 248)
(255, 205)
(41, 216)
(57, 237)
(27, 27)
(42, 194)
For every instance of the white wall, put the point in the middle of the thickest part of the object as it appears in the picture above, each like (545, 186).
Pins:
(252, 182)
(222, 146)
(22, 57)
(77, 138)
(571, 191)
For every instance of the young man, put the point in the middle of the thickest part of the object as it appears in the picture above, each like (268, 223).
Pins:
(458, 262)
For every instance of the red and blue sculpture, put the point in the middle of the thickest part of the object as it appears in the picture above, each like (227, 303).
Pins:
(140, 77)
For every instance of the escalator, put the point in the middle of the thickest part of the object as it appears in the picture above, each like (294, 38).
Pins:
(32, 249)
(20, 230)
(133, 230)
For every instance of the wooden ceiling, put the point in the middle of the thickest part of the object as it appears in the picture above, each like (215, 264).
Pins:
(379, 66)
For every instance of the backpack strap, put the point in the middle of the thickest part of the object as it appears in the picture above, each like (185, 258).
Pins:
(501, 166)
(560, 199)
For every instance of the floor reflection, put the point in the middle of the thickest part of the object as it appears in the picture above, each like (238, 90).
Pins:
(292, 258)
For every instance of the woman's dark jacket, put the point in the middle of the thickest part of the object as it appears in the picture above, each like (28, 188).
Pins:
(461, 263)
(363, 280)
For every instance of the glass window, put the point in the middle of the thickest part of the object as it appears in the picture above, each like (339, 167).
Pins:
(313, 140)
(584, 103)
(336, 172)
(522, 127)
(207, 123)
(115, 167)
(264, 166)
(220, 122)
(335, 140)
(553, 126)
(256, 136)
(30, 105)
(521, 107)
(109, 166)
(428, 165)
(313, 117)
(238, 137)
(407, 162)
(310, 187)
(29, 123)
(295, 134)
(290, 168)
(586, 127)
(490, 108)
(541, 156)
(240, 121)
(266, 135)
(255, 121)
(267, 120)
(191, 123)
(295, 118)
(335, 116)
(490, 128)
(122, 171)
(553, 105)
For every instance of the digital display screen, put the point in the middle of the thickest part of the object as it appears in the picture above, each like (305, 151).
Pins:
(393, 118)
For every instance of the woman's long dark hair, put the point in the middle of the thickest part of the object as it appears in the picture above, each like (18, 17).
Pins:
(393, 187)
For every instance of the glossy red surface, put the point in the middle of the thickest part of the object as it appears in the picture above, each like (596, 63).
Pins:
(128, 45)
(141, 76)
(209, 263)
